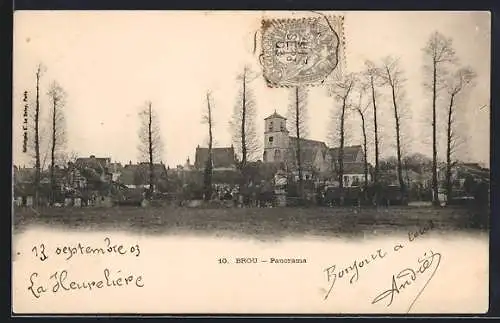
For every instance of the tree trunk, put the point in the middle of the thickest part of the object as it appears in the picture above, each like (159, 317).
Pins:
(407, 179)
(435, 198)
(297, 130)
(53, 151)
(209, 163)
(150, 151)
(449, 139)
(375, 126)
(365, 163)
(341, 152)
(398, 143)
(37, 140)
(243, 123)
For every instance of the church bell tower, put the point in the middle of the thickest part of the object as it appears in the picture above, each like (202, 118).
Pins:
(275, 138)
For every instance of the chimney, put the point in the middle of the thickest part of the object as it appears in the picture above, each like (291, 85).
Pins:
(130, 162)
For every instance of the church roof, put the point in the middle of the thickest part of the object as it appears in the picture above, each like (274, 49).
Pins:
(308, 150)
(275, 115)
(307, 143)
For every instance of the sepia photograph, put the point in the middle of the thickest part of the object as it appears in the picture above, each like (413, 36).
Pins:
(251, 162)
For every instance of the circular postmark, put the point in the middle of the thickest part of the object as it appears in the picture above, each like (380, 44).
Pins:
(298, 52)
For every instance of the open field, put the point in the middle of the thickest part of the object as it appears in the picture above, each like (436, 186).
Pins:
(273, 222)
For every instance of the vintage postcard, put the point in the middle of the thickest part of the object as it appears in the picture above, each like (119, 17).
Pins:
(255, 162)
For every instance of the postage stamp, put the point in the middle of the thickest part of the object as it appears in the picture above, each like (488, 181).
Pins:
(298, 52)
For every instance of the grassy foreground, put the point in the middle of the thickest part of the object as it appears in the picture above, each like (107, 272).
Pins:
(273, 222)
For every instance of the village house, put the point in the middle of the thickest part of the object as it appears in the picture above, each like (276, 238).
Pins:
(24, 190)
(223, 158)
(353, 165)
(461, 172)
(93, 162)
(24, 185)
(115, 169)
(224, 163)
(90, 172)
(184, 173)
(137, 175)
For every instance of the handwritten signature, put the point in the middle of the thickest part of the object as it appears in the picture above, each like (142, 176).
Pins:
(407, 277)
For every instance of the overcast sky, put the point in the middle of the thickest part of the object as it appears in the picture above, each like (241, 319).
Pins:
(110, 63)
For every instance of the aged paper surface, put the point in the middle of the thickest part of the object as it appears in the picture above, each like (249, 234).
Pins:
(250, 162)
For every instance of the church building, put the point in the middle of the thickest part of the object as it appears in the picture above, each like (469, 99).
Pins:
(316, 157)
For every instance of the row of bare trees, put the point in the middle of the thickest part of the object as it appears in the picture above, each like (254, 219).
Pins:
(150, 144)
(363, 94)
(50, 133)
(445, 78)
(448, 80)
(355, 94)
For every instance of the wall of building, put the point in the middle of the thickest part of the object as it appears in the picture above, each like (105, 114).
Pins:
(276, 149)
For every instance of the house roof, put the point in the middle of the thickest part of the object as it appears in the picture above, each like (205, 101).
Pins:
(138, 174)
(221, 157)
(127, 175)
(92, 161)
(472, 169)
(356, 168)
(115, 167)
(24, 189)
(275, 115)
(350, 153)
(23, 175)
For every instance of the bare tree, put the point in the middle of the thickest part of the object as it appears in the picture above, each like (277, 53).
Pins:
(39, 72)
(438, 53)
(243, 123)
(361, 108)
(392, 74)
(150, 143)
(371, 76)
(456, 84)
(57, 97)
(297, 112)
(207, 176)
(342, 91)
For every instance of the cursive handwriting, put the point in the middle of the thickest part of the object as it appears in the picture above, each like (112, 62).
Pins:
(412, 235)
(69, 251)
(407, 277)
(59, 282)
(352, 270)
